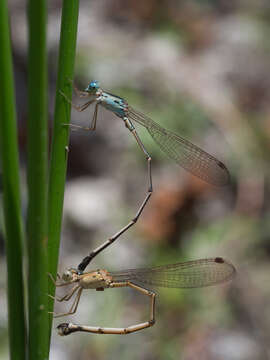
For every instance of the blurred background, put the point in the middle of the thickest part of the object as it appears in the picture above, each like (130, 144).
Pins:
(201, 69)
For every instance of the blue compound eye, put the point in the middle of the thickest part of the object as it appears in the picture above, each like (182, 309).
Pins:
(93, 86)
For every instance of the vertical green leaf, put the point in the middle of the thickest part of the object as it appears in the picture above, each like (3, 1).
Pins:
(60, 139)
(37, 164)
(11, 193)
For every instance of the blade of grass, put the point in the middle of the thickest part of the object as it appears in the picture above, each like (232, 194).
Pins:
(58, 164)
(11, 193)
(37, 164)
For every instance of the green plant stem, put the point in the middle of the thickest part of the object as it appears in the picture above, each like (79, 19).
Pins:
(59, 152)
(37, 164)
(11, 193)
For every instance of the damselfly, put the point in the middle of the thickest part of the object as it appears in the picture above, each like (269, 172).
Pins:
(183, 152)
(191, 274)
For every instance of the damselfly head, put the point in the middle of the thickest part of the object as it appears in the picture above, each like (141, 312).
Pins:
(93, 87)
(68, 274)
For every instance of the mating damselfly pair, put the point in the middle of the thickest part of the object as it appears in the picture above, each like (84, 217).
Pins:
(191, 274)
(183, 152)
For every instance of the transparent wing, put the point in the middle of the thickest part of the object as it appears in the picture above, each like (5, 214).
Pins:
(187, 155)
(191, 274)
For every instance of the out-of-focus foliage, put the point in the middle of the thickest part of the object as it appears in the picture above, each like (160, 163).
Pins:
(199, 68)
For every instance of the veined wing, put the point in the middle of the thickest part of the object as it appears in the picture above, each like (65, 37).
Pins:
(191, 274)
(186, 154)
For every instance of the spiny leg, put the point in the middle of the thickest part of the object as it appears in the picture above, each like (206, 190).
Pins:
(73, 307)
(58, 284)
(68, 328)
(67, 296)
(94, 120)
(81, 108)
(78, 92)
(92, 123)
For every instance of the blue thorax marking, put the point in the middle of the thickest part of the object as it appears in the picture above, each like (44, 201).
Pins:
(114, 103)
